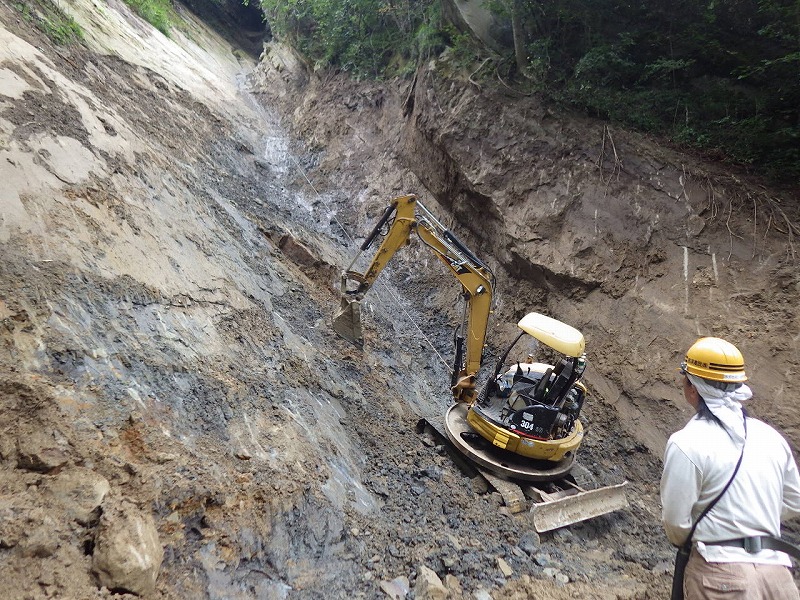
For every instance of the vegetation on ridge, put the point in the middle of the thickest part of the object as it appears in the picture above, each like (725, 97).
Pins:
(51, 20)
(155, 12)
(718, 76)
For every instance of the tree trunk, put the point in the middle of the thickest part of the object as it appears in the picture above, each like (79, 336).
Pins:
(518, 32)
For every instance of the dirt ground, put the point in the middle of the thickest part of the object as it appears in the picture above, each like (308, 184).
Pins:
(173, 219)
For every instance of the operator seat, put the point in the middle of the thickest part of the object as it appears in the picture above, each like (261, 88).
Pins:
(566, 375)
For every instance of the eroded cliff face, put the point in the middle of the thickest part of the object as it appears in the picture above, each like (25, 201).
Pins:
(173, 219)
(642, 248)
(151, 387)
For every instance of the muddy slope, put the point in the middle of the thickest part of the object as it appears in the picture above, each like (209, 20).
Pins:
(174, 216)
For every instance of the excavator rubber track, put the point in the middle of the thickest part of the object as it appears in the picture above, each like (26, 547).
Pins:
(551, 495)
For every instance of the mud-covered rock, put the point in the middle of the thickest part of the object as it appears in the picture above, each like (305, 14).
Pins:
(42, 540)
(41, 451)
(127, 551)
(428, 586)
(79, 492)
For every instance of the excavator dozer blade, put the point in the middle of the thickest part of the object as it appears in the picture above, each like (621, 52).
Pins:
(347, 322)
(554, 512)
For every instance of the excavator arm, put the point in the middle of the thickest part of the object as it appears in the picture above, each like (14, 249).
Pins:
(404, 216)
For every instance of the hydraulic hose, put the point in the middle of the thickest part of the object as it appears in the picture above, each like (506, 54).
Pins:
(378, 226)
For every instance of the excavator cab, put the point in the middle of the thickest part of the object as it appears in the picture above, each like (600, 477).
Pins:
(525, 422)
(543, 401)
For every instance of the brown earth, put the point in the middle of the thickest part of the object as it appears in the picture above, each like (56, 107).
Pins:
(173, 218)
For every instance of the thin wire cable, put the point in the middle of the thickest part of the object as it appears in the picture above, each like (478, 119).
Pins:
(385, 286)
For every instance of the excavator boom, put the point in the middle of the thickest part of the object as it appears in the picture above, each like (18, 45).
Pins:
(405, 216)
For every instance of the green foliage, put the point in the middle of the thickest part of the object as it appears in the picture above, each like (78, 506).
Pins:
(369, 38)
(156, 12)
(719, 76)
(463, 49)
(51, 20)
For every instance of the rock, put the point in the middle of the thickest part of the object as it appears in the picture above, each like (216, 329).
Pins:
(165, 457)
(42, 542)
(428, 440)
(7, 447)
(453, 585)
(298, 252)
(40, 451)
(428, 586)
(80, 491)
(542, 559)
(529, 542)
(479, 485)
(695, 225)
(127, 552)
(504, 567)
(564, 535)
(396, 589)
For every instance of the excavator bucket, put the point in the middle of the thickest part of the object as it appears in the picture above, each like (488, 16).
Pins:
(551, 511)
(347, 321)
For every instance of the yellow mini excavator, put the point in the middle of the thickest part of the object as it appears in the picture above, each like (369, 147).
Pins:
(522, 429)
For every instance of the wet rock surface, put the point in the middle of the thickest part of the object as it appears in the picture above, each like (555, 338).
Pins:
(171, 238)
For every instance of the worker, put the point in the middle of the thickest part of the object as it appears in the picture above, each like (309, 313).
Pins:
(744, 470)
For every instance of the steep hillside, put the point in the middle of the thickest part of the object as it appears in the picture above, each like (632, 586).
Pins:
(178, 419)
(640, 246)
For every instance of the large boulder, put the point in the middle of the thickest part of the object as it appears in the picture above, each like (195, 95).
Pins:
(127, 553)
(428, 585)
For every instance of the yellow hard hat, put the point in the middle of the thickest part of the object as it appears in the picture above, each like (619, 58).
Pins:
(716, 360)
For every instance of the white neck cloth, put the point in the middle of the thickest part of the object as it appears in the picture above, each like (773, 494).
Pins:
(726, 406)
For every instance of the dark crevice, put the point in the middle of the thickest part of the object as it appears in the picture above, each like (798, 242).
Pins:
(241, 25)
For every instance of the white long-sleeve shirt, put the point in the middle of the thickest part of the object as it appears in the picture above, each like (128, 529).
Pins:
(699, 461)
